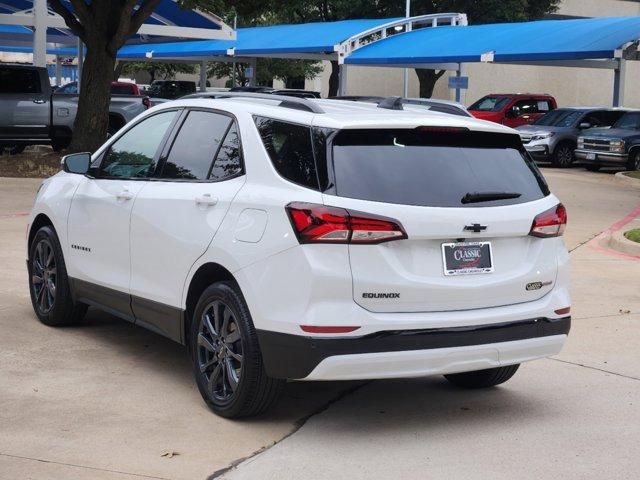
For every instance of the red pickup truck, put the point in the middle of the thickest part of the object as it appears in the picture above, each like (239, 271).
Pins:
(513, 109)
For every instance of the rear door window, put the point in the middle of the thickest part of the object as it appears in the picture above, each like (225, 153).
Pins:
(434, 169)
(19, 80)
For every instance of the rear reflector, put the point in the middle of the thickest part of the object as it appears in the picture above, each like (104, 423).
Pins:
(550, 223)
(321, 224)
(563, 311)
(318, 329)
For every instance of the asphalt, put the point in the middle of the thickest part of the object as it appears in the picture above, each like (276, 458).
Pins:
(108, 400)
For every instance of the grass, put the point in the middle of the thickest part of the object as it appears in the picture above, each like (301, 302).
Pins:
(633, 235)
(633, 174)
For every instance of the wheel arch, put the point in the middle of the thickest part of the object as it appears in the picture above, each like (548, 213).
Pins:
(206, 275)
(41, 220)
(573, 143)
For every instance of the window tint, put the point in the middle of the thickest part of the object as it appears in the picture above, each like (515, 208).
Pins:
(604, 118)
(195, 146)
(228, 162)
(413, 167)
(133, 154)
(290, 150)
(19, 80)
(629, 120)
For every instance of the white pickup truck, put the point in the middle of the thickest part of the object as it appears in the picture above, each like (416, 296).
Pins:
(31, 114)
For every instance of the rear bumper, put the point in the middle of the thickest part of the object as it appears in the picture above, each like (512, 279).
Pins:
(408, 353)
(601, 158)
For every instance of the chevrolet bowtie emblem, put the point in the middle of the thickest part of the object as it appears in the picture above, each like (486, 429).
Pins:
(475, 227)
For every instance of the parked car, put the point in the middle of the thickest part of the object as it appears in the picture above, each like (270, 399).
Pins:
(309, 239)
(617, 147)
(553, 137)
(30, 114)
(513, 109)
(171, 89)
(117, 88)
(435, 105)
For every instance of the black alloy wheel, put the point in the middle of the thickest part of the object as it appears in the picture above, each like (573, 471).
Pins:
(563, 155)
(634, 161)
(219, 353)
(44, 277)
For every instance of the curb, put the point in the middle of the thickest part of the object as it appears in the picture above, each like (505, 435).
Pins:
(620, 243)
(620, 177)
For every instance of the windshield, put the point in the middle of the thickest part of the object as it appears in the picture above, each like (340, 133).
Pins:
(490, 104)
(434, 168)
(560, 118)
(629, 121)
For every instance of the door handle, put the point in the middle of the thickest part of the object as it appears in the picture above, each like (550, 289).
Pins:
(206, 200)
(125, 195)
(39, 101)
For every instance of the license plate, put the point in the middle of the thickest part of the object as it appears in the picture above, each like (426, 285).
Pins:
(591, 156)
(467, 258)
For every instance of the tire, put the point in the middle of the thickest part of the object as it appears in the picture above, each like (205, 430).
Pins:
(563, 155)
(592, 168)
(59, 145)
(48, 282)
(17, 149)
(226, 357)
(483, 378)
(634, 161)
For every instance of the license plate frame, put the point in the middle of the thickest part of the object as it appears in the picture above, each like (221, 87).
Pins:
(478, 261)
(591, 156)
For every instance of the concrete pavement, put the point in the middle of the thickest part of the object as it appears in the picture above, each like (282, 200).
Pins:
(106, 399)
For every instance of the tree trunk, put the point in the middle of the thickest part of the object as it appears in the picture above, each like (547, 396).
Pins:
(92, 121)
(334, 79)
(428, 79)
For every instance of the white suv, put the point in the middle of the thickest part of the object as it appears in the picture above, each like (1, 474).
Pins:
(282, 238)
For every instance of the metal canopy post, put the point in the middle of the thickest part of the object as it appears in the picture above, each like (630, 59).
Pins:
(618, 82)
(459, 91)
(203, 76)
(58, 71)
(40, 15)
(342, 80)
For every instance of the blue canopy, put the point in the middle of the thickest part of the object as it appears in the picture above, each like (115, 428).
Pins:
(167, 13)
(320, 37)
(544, 40)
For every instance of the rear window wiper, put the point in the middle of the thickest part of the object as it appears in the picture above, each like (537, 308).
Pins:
(478, 197)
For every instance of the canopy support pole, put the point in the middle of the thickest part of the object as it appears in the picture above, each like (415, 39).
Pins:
(80, 63)
(618, 82)
(58, 71)
(459, 91)
(254, 69)
(342, 80)
(40, 15)
(203, 76)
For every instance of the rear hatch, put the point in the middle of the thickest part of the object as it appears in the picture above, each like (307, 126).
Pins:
(474, 190)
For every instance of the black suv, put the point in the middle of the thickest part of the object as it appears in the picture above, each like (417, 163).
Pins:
(618, 146)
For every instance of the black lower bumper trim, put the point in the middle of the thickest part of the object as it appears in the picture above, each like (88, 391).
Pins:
(295, 356)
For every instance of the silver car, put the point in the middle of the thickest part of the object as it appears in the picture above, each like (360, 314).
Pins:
(553, 138)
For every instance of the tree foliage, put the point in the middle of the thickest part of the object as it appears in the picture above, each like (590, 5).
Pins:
(156, 70)
(267, 69)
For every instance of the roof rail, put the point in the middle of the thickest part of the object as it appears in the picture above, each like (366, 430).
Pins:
(392, 103)
(296, 103)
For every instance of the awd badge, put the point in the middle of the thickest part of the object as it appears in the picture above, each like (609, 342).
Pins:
(537, 285)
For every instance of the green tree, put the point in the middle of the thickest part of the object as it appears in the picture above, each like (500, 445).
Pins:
(267, 69)
(154, 69)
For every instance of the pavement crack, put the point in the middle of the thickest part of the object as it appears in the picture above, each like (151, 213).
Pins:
(139, 475)
(581, 244)
(297, 425)
(596, 368)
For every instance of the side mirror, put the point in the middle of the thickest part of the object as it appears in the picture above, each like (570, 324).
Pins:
(584, 125)
(76, 163)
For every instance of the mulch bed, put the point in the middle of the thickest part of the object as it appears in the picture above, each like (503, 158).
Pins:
(34, 162)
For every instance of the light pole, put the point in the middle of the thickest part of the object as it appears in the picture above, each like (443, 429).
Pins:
(407, 13)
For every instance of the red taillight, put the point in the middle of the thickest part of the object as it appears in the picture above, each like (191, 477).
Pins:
(320, 224)
(563, 311)
(146, 102)
(550, 223)
(319, 329)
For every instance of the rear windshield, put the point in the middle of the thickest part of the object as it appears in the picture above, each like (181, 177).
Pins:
(434, 168)
(490, 104)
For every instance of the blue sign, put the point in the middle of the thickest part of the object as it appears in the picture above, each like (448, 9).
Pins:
(459, 82)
